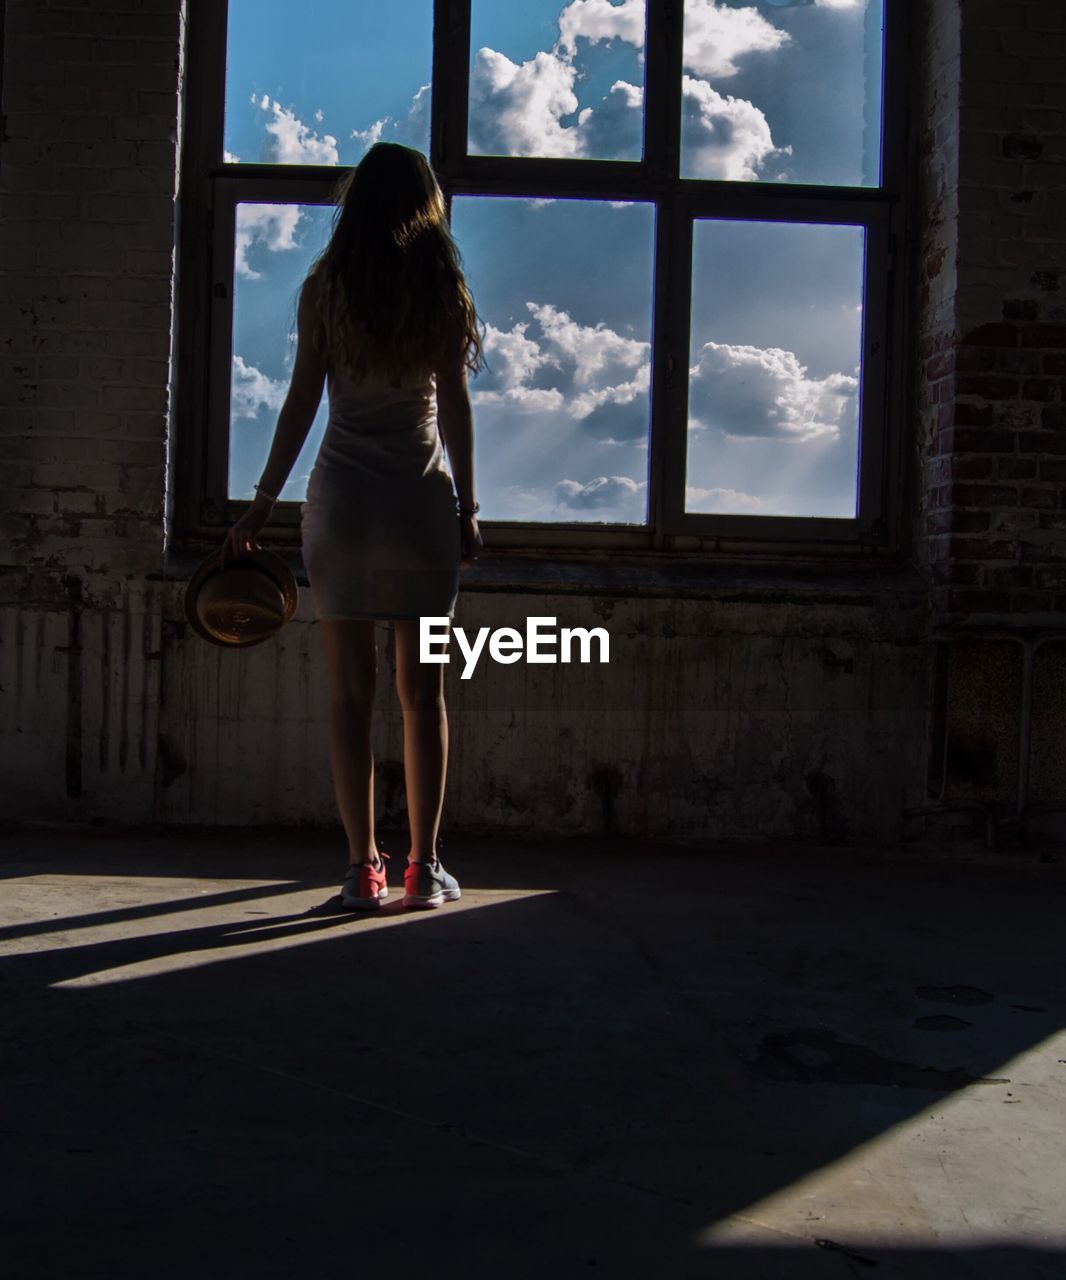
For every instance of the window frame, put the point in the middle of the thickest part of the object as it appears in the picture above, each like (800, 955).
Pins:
(209, 191)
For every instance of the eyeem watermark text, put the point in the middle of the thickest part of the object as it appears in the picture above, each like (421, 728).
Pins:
(541, 643)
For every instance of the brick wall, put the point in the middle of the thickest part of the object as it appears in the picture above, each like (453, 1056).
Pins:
(993, 346)
(87, 182)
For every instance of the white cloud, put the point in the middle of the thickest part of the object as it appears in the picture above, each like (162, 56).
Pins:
(719, 499)
(516, 108)
(603, 491)
(765, 391)
(590, 372)
(513, 359)
(593, 350)
(596, 20)
(293, 141)
(251, 390)
(524, 399)
(372, 134)
(621, 393)
(412, 129)
(839, 4)
(271, 225)
(716, 36)
(512, 356)
(230, 157)
(613, 129)
(725, 137)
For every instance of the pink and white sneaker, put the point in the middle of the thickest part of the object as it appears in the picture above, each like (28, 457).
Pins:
(365, 885)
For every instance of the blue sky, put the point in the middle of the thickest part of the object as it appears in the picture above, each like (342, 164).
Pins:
(772, 92)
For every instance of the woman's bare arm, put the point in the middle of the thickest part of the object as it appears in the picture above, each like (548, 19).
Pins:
(294, 422)
(456, 421)
(303, 398)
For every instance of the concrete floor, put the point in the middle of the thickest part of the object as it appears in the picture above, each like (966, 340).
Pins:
(734, 1062)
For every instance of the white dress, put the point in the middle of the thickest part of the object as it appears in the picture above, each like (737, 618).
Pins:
(379, 526)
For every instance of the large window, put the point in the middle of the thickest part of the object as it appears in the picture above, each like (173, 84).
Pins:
(677, 218)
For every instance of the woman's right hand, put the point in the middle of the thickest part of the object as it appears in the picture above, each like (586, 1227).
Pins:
(470, 540)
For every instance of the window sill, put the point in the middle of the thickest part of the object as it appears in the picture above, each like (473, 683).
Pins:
(869, 582)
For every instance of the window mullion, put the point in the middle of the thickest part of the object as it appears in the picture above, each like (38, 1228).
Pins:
(663, 47)
(451, 87)
(202, 120)
(670, 345)
(220, 349)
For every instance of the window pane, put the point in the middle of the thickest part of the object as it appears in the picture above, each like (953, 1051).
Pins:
(552, 79)
(564, 290)
(783, 91)
(318, 82)
(275, 246)
(774, 376)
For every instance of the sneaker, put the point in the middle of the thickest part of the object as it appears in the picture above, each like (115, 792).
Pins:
(364, 885)
(427, 884)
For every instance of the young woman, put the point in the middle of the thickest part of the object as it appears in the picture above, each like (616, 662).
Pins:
(386, 320)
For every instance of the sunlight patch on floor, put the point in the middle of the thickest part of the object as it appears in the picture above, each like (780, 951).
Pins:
(950, 1177)
(179, 924)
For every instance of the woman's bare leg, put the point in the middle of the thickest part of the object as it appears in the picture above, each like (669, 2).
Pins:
(351, 656)
(425, 739)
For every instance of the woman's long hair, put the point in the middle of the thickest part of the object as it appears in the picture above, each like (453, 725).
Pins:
(392, 297)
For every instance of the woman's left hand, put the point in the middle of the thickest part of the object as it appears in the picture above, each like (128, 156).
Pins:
(244, 536)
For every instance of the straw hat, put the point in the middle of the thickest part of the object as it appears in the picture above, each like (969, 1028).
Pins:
(244, 603)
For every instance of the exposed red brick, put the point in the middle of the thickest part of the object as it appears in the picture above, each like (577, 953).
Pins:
(1016, 360)
(1015, 468)
(1053, 417)
(1048, 281)
(992, 335)
(1045, 497)
(1040, 389)
(1042, 442)
(1022, 146)
(954, 521)
(981, 549)
(976, 359)
(952, 571)
(969, 466)
(968, 414)
(1054, 362)
(1020, 309)
(1010, 577)
(1029, 602)
(940, 365)
(974, 440)
(977, 600)
(1043, 335)
(984, 495)
(990, 386)
(1050, 576)
(1042, 552)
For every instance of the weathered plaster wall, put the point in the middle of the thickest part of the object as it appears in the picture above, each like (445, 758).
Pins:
(710, 720)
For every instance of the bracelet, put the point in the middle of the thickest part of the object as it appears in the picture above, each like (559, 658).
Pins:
(263, 493)
(468, 511)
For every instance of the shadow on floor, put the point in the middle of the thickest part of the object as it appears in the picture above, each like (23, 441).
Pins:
(581, 1068)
